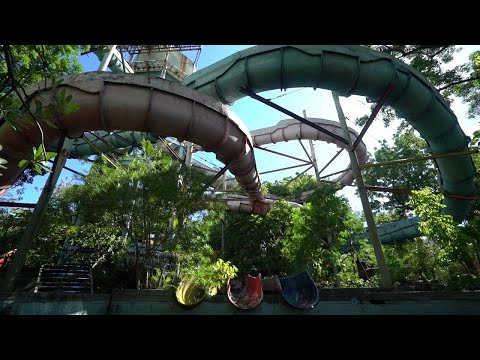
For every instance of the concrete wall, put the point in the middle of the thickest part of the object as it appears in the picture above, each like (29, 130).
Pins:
(332, 302)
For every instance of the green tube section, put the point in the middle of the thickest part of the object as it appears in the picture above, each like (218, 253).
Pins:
(351, 70)
(397, 231)
(110, 142)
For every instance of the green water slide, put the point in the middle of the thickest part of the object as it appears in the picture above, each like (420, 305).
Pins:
(354, 70)
(136, 105)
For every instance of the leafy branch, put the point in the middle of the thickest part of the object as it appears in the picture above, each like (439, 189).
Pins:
(14, 109)
(25, 103)
(472, 78)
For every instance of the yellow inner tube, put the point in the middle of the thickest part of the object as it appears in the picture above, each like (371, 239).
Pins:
(189, 294)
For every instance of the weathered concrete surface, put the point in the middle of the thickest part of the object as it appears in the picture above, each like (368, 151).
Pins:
(54, 304)
(332, 302)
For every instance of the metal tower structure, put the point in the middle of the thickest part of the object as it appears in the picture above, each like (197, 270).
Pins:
(165, 61)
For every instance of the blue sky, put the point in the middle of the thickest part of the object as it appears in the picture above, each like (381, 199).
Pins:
(317, 103)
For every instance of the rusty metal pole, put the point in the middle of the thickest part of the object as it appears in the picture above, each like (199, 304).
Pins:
(36, 218)
(377, 245)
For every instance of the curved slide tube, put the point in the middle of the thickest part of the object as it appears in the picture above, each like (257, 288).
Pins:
(397, 231)
(120, 142)
(351, 70)
(136, 103)
(346, 69)
(106, 142)
(284, 130)
(291, 129)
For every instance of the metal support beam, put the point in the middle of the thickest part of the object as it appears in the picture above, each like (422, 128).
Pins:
(36, 218)
(313, 157)
(331, 160)
(377, 245)
(314, 160)
(164, 70)
(107, 58)
(126, 66)
(373, 115)
(217, 175)
(289, 113)
(285, 168)
(71, 170)
(102, 140)
(409, 191)
(420, 158)
(99, 152)
(224, 181)
(173, 152)
(298, 175)
(188, 153)
(281, 154)
(132, 144)
(335, 173)
(17, 204)
(304, 149)
(389, 190)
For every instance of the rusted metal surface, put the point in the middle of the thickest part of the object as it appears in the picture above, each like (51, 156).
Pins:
(6, 258)
(121, 101)
(245, 292)
(373, 115)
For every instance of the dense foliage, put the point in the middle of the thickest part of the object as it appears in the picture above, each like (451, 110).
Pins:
(22, 65)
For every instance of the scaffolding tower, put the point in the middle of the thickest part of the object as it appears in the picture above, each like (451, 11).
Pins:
(165, 61)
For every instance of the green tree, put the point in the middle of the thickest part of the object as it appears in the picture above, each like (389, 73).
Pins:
(320, 229)
(446, 256)
(414, 175)
(468, 88)
(288, 239)
(291, 186)
(428, 59)
(252, 242)
(12, 224)
(150, 203)
(22, 65)
(144, 201)
(431, 61)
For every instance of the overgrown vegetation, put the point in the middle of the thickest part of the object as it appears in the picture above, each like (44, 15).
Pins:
(143, 221)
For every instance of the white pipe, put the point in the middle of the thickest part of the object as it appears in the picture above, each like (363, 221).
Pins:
(107, 58)
(127, 68)
(291, 129)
